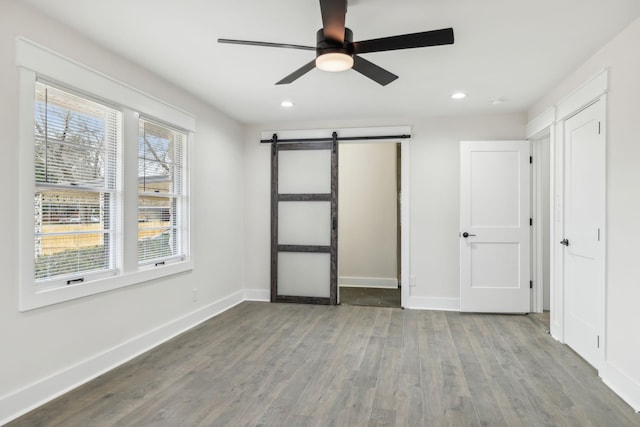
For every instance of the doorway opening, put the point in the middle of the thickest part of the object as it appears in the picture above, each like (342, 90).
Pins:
(541, 250)
(369, 212)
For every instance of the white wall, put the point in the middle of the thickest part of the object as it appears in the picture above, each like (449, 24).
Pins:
(47, 349)
(434, 192)
(621, 370)
(367, 212)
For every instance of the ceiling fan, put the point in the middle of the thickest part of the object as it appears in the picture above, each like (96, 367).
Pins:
(336, 50)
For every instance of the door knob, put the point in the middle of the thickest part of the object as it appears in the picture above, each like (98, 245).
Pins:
(564, 242)
(465, 234)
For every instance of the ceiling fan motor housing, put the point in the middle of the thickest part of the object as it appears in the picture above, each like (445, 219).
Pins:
(325, 45)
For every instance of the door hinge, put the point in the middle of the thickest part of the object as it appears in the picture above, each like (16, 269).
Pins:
(531, 222)
(599, 128)
(530, 159)
(598, 340)
(530, 284)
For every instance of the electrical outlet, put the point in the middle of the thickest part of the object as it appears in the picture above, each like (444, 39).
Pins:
(412, 280)
(195, 294)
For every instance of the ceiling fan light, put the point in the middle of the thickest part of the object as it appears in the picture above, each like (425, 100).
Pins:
(334, 62)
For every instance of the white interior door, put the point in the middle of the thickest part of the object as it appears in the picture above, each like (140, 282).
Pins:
(304, 222)
(583, 224)
(494, 226)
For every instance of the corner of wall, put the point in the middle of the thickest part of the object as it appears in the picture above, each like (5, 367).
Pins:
(36, 394)
(622, 384)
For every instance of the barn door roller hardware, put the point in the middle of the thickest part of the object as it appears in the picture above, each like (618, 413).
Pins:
(333, 138)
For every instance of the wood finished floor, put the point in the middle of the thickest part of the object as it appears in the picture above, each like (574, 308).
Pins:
(262, 364)
(373, 297)
(543, 319)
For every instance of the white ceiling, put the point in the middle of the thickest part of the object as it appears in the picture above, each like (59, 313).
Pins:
(514, 50)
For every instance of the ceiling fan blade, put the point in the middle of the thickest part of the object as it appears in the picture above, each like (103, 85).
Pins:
(266, 44)
(333, 14)
(371, 70)
(298, 73)
(406, 41)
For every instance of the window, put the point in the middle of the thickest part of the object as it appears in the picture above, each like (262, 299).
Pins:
(161, 224)
(103, 181)
(75, 164)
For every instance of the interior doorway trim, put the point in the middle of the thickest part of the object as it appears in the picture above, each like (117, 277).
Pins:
(538, 128)
(552, 120)
(538, 214)
(405, 226)
(540, 125)
(581, 98)
(365, 134)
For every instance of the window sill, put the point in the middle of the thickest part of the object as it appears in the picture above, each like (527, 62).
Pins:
(31, 298)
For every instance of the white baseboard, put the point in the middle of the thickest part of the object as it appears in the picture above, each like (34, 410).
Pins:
(622, 384)
(427, 303)
(368, 282)
(30, 397)
(257, 295)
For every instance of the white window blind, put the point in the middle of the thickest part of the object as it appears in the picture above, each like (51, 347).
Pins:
(162, 217)
(77, 142)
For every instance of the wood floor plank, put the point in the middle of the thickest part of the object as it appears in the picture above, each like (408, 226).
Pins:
(506, 400)
(568, 381)
(409, 397)
(360, 404)
(316, 399)
(543, 385)
(388, 375)
(517, 374)
(409, 404)
(431, 376)
(457, 401)
(479, 384)
(262, 364)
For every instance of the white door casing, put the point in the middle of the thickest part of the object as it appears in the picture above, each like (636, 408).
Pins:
(584, 214)
(495, 213)
(298, 190)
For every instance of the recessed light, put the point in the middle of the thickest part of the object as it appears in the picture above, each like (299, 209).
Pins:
(286, 104)
(458, 95)
(497, 101)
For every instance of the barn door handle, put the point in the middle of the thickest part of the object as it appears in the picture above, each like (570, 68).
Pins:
(564, 242)
(465, 234)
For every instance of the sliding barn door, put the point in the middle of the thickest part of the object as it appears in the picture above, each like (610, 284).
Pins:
(304, 222)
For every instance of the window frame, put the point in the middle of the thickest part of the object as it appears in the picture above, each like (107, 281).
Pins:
(35, 62)
(178, 197)
(113, 154)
